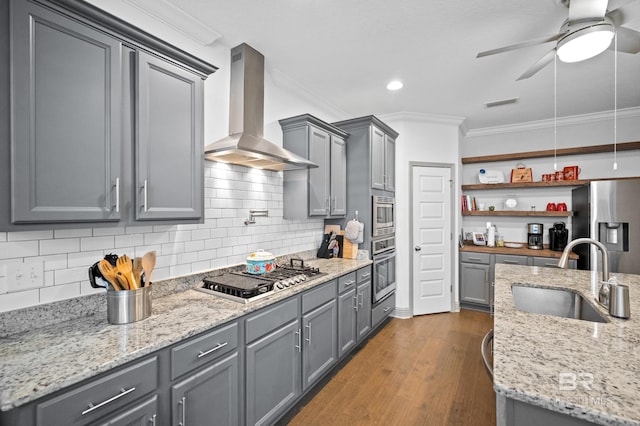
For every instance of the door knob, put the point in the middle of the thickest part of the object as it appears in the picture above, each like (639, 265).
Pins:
(417, 248)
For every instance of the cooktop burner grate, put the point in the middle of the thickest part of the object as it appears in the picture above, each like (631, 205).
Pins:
(244, 287)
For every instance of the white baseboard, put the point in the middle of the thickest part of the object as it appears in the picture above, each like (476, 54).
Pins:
(403, 313)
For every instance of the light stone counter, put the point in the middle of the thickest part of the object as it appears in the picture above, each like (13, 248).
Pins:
(583, 369)
(37, 362)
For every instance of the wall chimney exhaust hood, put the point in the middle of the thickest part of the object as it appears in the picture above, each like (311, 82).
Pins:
(245, 145)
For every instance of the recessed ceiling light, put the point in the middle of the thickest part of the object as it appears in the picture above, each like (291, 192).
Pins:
(394, 85)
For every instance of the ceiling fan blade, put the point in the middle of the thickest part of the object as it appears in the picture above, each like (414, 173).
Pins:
(534, 42)
(586, 9)
(626, 14)
(628, 40)
(542, 62)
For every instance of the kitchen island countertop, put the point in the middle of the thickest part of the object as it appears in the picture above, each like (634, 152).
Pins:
(38, 362)
(584, 369)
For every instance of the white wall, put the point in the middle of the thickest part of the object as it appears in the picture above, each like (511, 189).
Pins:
(428, 139)
(62, 257)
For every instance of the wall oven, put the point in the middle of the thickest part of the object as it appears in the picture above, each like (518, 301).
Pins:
(384, 215)
(384, 267)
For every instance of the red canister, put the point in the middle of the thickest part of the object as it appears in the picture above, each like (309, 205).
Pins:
(571, 172)
(560, 175)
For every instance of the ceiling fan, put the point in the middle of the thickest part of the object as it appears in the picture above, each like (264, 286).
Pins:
(589, 26)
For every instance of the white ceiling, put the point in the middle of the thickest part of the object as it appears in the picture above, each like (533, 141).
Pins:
(345, 52)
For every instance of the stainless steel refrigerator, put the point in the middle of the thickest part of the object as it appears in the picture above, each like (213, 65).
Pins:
(608, 211)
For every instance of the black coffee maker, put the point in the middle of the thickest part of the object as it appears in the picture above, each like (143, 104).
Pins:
(558, 236)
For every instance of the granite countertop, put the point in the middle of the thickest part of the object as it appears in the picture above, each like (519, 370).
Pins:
(532, 352)
(523, 251)
(37, 362)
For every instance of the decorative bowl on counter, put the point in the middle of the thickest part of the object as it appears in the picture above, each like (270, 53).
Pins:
(260, 262)
(513, 245)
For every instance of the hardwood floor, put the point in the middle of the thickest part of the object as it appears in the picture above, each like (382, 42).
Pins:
(422, 371)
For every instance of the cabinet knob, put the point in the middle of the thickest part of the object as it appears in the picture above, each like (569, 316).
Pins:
(417, 248)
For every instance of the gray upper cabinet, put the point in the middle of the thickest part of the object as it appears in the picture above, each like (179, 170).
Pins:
(65, 149)
(106, 120)
(375, 143)
(320, 191)
(169, 147)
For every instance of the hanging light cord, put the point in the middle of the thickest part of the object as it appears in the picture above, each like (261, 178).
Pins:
(555, 111)
(615, 101)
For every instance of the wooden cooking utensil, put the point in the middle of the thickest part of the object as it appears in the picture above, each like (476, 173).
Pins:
(123, 281)
(124, 265)
(109, 273)
(148, 263)
(137, 271)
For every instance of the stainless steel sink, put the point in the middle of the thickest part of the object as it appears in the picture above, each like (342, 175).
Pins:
(558, 302)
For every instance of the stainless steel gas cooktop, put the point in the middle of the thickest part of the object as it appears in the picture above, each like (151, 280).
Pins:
(244, 287)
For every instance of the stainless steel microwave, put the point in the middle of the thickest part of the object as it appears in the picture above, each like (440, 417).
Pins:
(384, 216)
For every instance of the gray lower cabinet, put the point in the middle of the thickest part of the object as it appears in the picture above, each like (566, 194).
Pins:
(354, 308)
(319, 333)
(169, 144)
(320, 191)
(274, 346)
(364, 309)
(511, 412)
(66, 122)
(208, 397)
(347, 333)
(383, 309)
(142, 414)
(552, 262)
(475, 278)
(102, 399)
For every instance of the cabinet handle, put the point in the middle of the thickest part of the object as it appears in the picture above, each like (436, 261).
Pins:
(367, 275)
(355, 302)
(152, 420)
(486, 276)
(308, 326)
(510, 262)
(348, 283)
(183, 404)
(145, 195)
(475, 259)
(361, 297)
(385, 310)
(327, 203)
(220, 345)
(117, 195)
(299, 345)
(93, 407)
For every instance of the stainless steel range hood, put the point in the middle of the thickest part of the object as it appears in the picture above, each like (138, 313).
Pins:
(245, 144)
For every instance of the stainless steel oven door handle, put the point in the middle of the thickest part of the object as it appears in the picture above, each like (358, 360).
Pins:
(383, 257)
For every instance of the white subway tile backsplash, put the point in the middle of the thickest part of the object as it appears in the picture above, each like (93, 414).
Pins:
(99, 232)
(222, 240)
(97, 243)
(61, 292)
(70, 275)
(29, 235)
(129, 240)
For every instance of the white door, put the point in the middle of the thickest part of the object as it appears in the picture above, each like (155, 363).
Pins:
(432, 240)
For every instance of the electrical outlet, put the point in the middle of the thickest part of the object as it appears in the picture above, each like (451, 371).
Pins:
(23, 276)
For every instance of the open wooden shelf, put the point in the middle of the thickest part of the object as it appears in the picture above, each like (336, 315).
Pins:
(522, 213)
(594, 149)
(576, 182)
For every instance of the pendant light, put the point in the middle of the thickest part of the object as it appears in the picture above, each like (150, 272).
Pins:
(615, 101)
(555, 111)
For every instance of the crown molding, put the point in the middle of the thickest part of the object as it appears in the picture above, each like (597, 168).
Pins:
(549, 123)
(177, 19)
(424, 118)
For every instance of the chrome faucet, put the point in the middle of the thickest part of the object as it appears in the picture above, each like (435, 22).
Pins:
(605, 285)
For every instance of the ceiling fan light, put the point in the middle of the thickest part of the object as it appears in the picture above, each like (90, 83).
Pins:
(394, 85)
(585, 43)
